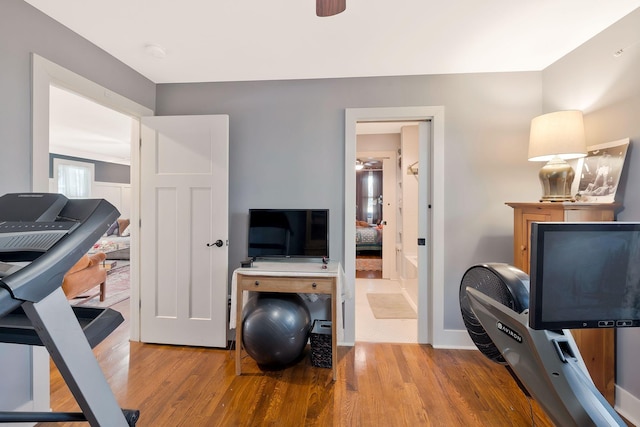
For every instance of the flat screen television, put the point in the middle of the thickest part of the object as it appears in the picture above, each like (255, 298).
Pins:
(288, 233)
(584, 275)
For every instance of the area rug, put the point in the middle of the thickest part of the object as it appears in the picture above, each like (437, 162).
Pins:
(391, 306)
(369, 264)
(118, 290)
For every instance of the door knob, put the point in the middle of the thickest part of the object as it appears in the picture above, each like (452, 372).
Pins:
(218, 243)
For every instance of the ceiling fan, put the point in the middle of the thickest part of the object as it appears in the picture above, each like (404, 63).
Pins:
(330, 7)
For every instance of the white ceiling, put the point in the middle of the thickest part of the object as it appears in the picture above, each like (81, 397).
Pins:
(213, 41)
(79, 127)
(216, 41)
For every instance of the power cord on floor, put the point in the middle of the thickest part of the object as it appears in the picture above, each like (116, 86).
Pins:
(232, 347)
(533, 420)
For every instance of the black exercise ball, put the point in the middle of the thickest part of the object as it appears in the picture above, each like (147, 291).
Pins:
(275, 328)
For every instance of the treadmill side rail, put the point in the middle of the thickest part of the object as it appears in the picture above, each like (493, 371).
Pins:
(60, 331)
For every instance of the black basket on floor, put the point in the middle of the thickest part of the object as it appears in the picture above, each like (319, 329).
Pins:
(321, 344)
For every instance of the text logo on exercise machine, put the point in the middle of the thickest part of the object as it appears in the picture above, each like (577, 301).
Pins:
(507, 330)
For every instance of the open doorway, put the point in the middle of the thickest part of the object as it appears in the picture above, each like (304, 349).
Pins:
(90, 151)
(369, 216)
(45, 74)
(386, 231)
(430, 253)
(376, 205)
(86, 135)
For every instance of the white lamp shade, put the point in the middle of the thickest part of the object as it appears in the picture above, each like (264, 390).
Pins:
(558, 134)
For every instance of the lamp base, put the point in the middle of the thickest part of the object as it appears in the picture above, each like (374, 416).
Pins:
(556, 178)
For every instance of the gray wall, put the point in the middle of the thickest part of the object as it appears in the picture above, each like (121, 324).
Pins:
(24, 30)
(607, 89)
(287, 150)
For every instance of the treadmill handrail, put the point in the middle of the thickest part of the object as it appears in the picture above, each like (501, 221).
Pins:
(43, 275)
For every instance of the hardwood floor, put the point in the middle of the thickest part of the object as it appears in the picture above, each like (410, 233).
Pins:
(368, 274)
(378, 385)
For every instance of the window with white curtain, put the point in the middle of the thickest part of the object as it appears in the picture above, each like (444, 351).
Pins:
(369, 195)
(74, 179)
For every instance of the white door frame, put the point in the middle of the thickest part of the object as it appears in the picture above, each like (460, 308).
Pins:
(46, 73)
(431, 289)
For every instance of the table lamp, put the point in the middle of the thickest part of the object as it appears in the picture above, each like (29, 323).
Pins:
(555, 138)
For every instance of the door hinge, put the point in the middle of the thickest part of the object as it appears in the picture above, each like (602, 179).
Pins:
(422, 241)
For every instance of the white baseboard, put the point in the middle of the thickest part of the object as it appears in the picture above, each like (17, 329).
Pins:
(454, 339)
(628, 405)
(451, 339)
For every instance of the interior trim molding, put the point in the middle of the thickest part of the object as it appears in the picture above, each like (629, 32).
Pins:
(431, 286)
(44, 74)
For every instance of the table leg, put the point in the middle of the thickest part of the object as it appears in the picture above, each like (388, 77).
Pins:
(103, 291)
(334, 333)
(239, 299)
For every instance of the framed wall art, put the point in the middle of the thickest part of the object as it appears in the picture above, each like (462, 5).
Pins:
(598, 174)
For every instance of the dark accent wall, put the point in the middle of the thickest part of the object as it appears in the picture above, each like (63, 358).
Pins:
(103, 171)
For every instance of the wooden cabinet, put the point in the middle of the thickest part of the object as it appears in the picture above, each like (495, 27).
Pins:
(597, 346)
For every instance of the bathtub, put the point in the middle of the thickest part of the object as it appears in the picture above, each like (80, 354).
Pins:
(410, 277)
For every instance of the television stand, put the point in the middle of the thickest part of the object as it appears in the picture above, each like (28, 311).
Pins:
(285, 277)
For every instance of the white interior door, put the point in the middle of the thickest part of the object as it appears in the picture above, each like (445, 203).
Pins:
(425, 232)
(389, 270)
(184, 212)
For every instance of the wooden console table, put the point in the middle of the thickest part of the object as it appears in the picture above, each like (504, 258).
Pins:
(597, 346)
(287, 277)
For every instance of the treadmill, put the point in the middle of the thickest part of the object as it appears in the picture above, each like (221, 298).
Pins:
(42, 235)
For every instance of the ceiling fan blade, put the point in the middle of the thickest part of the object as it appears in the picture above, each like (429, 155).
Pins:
(330, 7)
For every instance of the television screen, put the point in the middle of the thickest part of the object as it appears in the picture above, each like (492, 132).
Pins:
(584, 275)
(288, 233)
